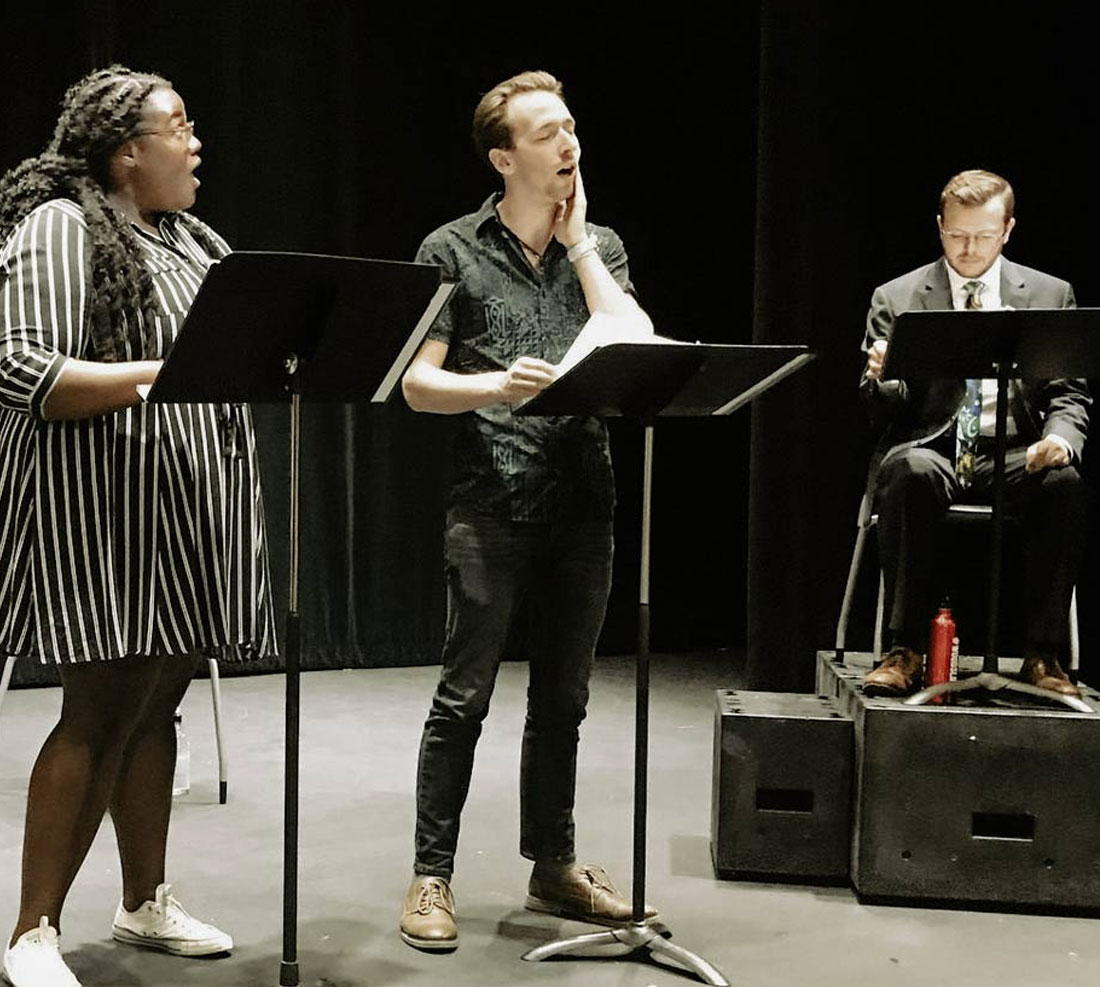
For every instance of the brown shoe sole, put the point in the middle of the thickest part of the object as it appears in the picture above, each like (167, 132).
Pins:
(546, 907)
(889, 691)
(1060, 687)
(430, 945)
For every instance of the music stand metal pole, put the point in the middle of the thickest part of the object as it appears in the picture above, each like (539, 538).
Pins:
(639, 934)
(288, 968)
(1000, 444)
(641, 692)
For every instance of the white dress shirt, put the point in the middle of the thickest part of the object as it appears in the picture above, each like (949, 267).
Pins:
(991, 302)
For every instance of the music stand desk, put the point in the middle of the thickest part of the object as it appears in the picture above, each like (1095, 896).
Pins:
(1032, 343)
(643, 382)
(287, 328)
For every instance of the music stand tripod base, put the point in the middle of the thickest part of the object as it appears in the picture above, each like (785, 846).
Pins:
(992, 682)
(636, 936)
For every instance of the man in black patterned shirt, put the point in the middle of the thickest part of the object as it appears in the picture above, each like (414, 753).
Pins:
(529, 520)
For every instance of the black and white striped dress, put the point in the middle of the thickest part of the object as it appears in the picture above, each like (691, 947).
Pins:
(136, 532)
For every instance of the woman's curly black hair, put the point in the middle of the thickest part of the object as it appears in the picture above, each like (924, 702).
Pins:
(98, 114)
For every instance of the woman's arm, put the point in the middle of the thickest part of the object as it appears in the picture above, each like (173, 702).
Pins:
(85, 388)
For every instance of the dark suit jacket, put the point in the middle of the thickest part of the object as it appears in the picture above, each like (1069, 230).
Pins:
(915, 413)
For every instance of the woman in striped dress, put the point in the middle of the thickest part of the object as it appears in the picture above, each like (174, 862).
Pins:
(131, 535)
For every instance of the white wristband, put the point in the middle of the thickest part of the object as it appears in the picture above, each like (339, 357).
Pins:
(582, 248)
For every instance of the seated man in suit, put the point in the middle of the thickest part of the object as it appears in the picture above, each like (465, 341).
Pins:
(937, 447)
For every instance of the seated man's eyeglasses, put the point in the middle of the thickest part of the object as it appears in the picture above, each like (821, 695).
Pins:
(985, 238)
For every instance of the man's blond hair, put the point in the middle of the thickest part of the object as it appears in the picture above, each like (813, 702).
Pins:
(975, 188)
(491, 128)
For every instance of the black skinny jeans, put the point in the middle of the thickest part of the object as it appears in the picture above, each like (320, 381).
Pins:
(564, 571)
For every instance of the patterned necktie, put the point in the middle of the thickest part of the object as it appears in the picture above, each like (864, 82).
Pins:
(973, 291)
(968, 422)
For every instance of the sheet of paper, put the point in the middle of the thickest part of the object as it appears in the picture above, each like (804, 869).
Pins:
(143, 391)
(602, 329)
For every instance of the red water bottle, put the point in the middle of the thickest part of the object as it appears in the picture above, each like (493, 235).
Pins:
(941, 641)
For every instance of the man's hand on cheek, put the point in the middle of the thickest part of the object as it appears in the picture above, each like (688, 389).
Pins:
(569, 220)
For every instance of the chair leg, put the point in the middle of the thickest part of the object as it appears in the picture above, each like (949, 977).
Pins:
(1074, 637)
(223, 764)
(879, 607)
(849, 592)
(5, 677)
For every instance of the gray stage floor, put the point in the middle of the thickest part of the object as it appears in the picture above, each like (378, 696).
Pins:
(359, 738)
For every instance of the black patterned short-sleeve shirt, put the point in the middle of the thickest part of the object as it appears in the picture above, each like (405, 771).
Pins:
(508, 466)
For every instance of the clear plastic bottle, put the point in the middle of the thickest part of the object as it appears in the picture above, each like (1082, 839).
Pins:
(181, 779)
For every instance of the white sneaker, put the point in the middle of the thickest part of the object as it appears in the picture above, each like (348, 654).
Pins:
(165, 925)
(35, 960)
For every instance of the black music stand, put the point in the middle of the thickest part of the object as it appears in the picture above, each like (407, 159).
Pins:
(645, 381)
(1037, 344)
(283, 327)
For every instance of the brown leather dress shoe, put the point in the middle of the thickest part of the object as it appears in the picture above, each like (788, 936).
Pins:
(1046, 673)
(428, 921)
(899, 674)
(581, 892)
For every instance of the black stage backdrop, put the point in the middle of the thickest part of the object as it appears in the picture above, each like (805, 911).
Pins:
(330, 127)
(766, 164)
(864, 112)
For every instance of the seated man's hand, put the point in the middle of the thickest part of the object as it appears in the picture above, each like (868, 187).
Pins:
(876, 355)
(1044, 454)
